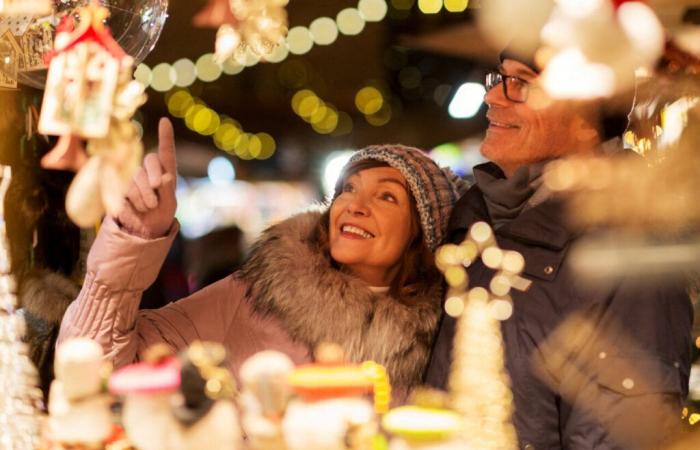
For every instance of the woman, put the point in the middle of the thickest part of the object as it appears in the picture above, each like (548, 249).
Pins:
(359, 274)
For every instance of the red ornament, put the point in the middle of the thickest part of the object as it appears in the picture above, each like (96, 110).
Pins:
(618, 3)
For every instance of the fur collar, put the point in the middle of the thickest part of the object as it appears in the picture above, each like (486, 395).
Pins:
(291, 279)
(46, 295)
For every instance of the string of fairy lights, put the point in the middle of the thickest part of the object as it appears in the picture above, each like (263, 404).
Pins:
(174, 79)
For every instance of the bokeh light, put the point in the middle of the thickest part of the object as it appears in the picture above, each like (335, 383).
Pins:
(185, 72)
(456, 5)
(220, 171)
(268, 145)
(231, 67)
(402, 5)
(207, 68)
(333, 167)
(278, 54)
(350, 21)
(299, 40)
(324, 31)
(369, 100)
(373, 10)
(430, 6)
(143, 74)
(179, 101)
(467, 101)
(381, 117)
(163, 77)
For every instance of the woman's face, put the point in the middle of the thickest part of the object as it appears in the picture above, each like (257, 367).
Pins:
(371, 224)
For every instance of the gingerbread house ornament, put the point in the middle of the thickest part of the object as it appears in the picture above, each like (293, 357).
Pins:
(82, 78)
(25, 7)
(10, 56)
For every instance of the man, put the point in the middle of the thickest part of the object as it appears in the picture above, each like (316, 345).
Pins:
(601, 367)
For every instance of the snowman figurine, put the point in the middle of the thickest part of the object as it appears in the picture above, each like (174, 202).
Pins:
(264, 398)
(79, 414)
(333, 410)
(148, 388)
(204, 405)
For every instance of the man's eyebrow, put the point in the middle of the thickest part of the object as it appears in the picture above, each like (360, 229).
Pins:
(519, 72)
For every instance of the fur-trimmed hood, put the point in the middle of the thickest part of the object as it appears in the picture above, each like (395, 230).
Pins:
(291, 279)
(46, 295)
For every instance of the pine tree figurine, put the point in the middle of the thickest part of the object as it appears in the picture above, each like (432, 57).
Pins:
(21, 398)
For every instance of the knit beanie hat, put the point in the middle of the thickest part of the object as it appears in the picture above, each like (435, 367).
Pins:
(435, 190)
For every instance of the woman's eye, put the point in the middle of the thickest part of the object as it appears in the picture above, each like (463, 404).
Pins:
(347, 187)
(389, 197)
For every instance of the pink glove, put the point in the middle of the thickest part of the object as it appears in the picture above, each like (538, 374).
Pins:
(149, 206)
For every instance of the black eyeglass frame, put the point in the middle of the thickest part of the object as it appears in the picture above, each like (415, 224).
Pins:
(494, 77)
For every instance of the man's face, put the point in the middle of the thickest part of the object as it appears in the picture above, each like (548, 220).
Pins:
(524, 133)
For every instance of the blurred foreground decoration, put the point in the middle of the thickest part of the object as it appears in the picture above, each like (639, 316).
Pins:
(18, 8)
(136, 26)
(649, 198)
(587, 49)
(589, 369)
(255, 25)
(479, 384)
(21, 398)
(90, 95)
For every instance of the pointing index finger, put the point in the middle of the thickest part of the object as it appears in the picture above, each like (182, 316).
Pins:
(166, 146)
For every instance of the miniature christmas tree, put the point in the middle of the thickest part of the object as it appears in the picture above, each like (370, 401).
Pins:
(20, 401)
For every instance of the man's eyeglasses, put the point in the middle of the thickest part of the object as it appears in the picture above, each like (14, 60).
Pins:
(514, 88)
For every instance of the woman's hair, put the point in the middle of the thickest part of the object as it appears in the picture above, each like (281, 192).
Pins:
(417, 264)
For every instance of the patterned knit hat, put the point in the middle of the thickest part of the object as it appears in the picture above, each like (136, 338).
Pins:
(435, 190)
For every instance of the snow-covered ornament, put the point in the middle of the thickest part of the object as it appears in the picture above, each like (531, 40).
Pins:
(13, 8)
(91, 96)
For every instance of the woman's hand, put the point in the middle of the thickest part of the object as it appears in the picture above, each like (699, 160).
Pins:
(149, 206)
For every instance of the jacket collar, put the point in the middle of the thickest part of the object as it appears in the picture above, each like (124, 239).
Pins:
(544, 225)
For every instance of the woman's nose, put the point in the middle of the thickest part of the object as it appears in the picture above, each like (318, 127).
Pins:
(358, 206)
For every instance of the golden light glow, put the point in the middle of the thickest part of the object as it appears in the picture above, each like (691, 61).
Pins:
(207, 69)
(179, 102)
(500, 285)
(226, 135)
(369, 100)
(268, 145)
(163, 77)
(454, 306)
(232, 67)
(513, 262)
(185, 72)
(501, 309)
(456, 5)
(492, 257)
(481, 233)
(278, 54)
(430, 6)
(143, 74)
(456, 276)
(350, 21)
(324, 31)
(373, 10)
(402, 5)
(299, 40)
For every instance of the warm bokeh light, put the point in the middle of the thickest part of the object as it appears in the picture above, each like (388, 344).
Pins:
(456, 5)
(185, 72)
(178, 102)
(369, 100)
(373, 10)
(231, 67)
(350, 21)
(268, 146)
(324, 31)
(430, 6)
(381, 117)
(207, 69)
(299, 40)
(143, 74)
(163, 77)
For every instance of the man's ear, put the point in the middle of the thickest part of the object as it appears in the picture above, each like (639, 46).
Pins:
(584, 132)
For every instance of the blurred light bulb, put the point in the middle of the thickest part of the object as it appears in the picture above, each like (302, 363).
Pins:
(467, 101)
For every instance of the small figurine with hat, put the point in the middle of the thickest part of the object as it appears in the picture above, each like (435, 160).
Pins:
(333, 411)
(79, 414)
(264, 398)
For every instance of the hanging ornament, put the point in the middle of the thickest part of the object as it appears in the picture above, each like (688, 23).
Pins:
(594, 51)
(11, 8)
(10, 62)
(214, 14)
(90, 95)
(245, 25)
